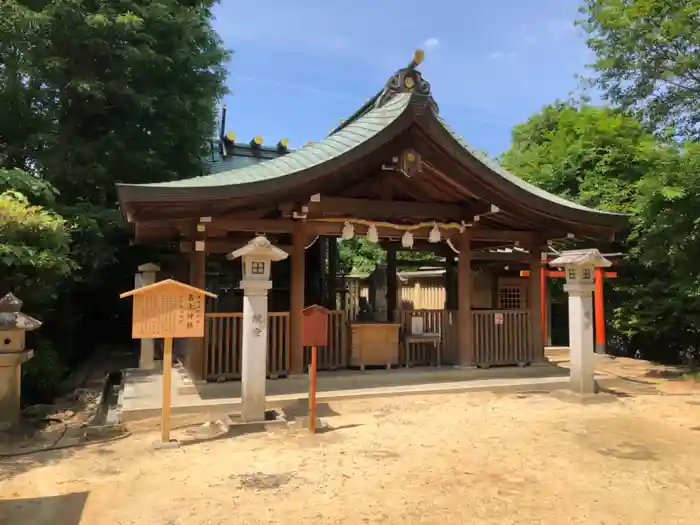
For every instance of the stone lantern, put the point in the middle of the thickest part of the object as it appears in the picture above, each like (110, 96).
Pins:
(257, 257)
(13, 328)
(579, 268)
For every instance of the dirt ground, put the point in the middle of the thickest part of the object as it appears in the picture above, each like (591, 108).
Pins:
(473, 458)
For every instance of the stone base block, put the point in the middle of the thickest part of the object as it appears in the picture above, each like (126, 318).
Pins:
(302, 423)
(583, 399)
(173, 443)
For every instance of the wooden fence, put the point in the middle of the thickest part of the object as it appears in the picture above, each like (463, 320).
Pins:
(495, 343)
(502, 337)
(223, 339)
(443, 322)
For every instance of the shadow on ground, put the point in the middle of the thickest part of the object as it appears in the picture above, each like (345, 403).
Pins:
(66, 509)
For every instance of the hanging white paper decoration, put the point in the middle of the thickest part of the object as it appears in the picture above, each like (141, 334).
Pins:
(434, 235)
(407, 240)
(348, 231)
(372, 235)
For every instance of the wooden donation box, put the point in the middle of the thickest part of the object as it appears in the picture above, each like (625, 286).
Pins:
(314, 326)
(374, 344)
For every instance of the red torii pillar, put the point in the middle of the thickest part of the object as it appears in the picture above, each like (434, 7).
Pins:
(599, 308)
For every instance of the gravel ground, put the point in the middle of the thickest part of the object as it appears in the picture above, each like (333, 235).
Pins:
(473, 458)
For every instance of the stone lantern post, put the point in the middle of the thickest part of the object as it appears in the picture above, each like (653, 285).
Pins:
(258, 256)
(579, 267)
(13, 328)
(146, 276)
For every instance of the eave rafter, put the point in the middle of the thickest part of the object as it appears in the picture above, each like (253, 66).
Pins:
(514, 213)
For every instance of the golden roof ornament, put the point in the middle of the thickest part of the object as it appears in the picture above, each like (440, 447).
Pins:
(407, 80)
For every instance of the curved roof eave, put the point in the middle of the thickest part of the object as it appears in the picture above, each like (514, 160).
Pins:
(520, 189)
(371, 130)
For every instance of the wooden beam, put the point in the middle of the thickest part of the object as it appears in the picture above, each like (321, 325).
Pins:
(227, 246)
(272, 226)
(370, 208)
(556, 274)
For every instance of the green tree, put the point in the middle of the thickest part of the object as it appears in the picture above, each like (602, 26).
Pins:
(34, 249)
(590, 154)
(647, 58)
(93, 93)
(662, 306)
(129, 87)
(602, 157)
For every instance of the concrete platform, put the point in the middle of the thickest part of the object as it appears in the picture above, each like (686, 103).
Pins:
(141, 393)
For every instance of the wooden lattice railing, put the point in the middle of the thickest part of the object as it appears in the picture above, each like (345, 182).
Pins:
(502, 337)
(443, 322)
(223, 339)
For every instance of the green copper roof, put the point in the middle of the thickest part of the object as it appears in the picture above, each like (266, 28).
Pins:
(353, 135)
(494, 166)
(378, 121)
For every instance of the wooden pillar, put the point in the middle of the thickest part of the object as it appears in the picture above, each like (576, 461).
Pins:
(296, 302)
(599, 312)
(198, 265)
(464, 315)
(323, 256)
(547, 312)
(495, 291)
(451, 295)
(391, 283)
(535, 301)
(332, 273)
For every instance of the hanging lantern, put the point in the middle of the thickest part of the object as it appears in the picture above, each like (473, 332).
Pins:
(434, 235)
(372, 235)
(348, 231)
(407, 240)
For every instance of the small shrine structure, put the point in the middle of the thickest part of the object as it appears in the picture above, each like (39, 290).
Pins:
(396, 173)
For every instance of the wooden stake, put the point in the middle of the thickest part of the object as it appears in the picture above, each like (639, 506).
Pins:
(167, 379)
(312, 392)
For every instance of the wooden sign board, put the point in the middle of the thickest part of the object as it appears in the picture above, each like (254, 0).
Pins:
(314, 326)
(168, 309)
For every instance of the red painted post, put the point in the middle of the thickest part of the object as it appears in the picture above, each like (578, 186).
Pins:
(312, 392)
(314, 333)
(599, 312)
(543, 303)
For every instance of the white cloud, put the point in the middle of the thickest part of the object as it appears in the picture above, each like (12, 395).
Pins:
(431, 43)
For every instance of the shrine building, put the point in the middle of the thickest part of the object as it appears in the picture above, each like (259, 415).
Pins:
(395, 173)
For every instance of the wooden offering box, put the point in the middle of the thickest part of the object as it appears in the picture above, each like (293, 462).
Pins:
(374, 344)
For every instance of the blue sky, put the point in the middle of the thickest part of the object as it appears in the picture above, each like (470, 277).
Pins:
(299, 67)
